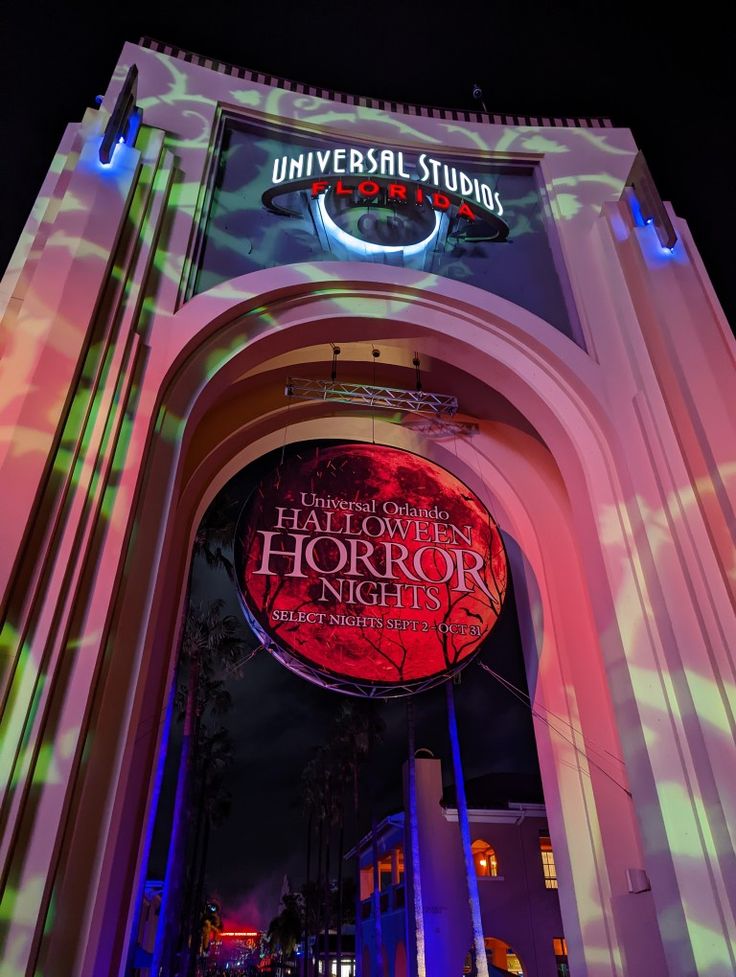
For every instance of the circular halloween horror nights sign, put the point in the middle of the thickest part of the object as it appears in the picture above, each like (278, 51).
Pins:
(364, 567)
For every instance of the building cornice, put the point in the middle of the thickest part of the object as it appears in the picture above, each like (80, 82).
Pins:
(513, 814)
(405, 108)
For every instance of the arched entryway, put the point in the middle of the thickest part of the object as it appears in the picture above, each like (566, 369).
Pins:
(542, 458)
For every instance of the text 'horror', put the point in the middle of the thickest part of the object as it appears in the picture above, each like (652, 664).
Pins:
(398, 556)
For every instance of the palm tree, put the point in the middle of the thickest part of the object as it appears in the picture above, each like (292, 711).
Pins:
(359, 728)
(329, 816)
(347, 753)
(316, 801)
(285, 930)
(341, 775)
(213, 540)
(339, 756)
(331, 773)
(210, 640)
(215, 756)
(481, 961)
(309, 798)
(341, 759)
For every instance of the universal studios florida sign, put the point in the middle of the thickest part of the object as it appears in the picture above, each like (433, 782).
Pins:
(365, 172)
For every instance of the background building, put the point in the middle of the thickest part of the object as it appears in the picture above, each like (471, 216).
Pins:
(516, 876)
(151, 314)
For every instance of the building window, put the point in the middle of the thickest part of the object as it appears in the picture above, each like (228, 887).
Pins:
(513, 964)
(548, 862)
(502, 957)
(559, 946)
(384, 872)
(398, 865)
(366, 882)
(486, 863)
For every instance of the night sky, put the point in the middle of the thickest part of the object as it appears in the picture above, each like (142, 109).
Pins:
(665, 75)
(665, 72)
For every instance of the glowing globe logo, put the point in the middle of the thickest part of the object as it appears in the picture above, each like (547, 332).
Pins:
(379, 224)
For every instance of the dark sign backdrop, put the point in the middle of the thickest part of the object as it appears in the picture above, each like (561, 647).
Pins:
(242, 235)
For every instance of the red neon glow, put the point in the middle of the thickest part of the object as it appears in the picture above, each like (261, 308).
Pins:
(396, 191)
(368, 188)
(371, 563)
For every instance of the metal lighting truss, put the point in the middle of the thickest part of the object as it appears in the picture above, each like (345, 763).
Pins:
(370, 395)
(362, 688)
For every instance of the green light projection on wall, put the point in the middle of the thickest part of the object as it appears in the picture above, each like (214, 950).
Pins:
(241, 235)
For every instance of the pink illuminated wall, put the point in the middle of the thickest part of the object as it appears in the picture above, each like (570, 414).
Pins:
(610, 469)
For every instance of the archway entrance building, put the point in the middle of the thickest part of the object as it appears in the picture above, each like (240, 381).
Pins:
(138, 374)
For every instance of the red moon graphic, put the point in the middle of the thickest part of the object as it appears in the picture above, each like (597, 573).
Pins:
(368, 564)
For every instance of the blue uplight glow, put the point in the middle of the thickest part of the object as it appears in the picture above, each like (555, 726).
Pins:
(107, 166)
(635, 208)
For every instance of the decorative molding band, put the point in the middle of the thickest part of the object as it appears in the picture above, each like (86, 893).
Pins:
(514, 814)
(426, 111)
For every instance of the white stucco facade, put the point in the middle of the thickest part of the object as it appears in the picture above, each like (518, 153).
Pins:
(125, 404)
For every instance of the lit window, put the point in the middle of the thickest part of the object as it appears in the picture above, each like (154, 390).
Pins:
(559, 945)
(366, 882)
(486, 863)
(548, 862)
(513, 964)
(384, 871)
(400, 864)
(502, 957)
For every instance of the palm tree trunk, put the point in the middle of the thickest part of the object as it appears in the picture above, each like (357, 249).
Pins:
(196, 929)
(326, 907)
(172, 890)
(358, 902)
(338, 944)
(190, 913)
(318, 890)
(415, 859)
(197, 759)
(481, 960)
(306, 897)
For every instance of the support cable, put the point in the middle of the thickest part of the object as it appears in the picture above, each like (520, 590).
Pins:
(526, 701)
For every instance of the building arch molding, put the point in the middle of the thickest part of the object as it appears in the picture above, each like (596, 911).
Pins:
(195, 358)
(513, 352)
